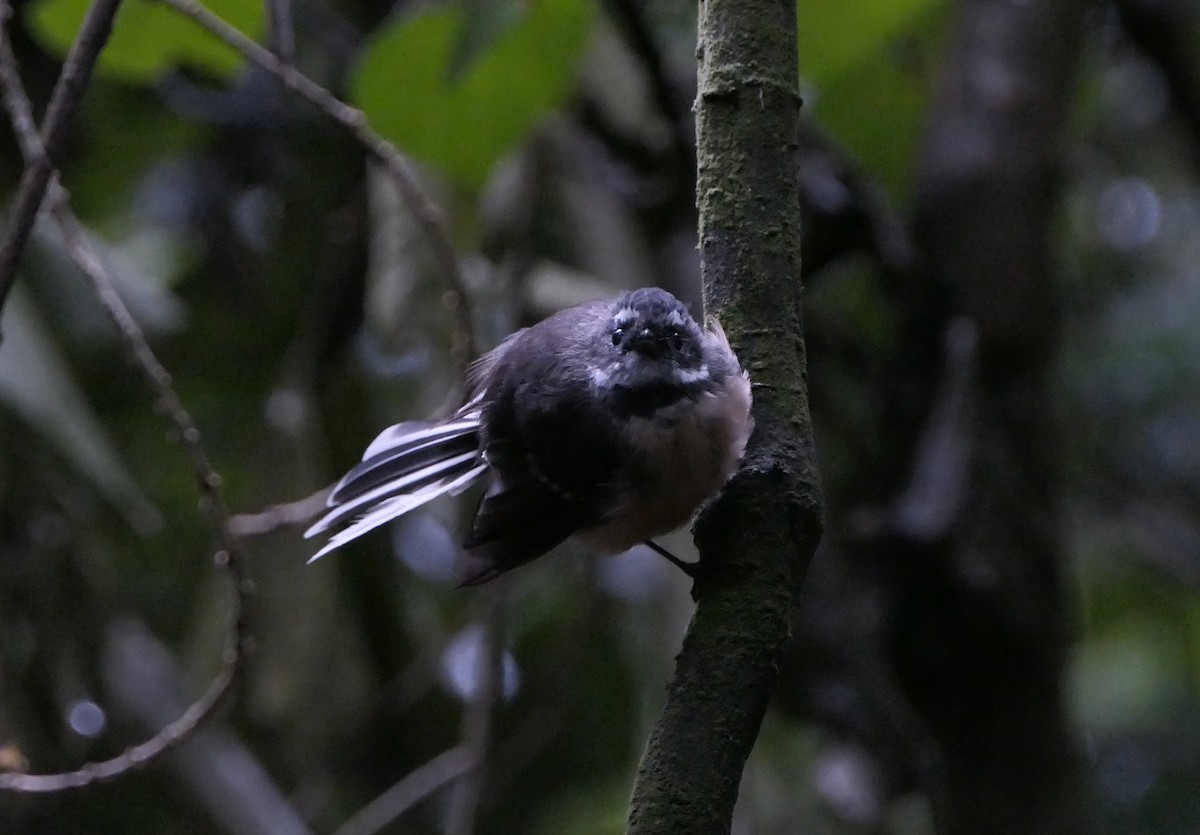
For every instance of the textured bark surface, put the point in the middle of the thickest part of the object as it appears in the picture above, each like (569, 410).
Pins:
(756, 540)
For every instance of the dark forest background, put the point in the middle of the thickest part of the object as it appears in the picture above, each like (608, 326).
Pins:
(1001, 630)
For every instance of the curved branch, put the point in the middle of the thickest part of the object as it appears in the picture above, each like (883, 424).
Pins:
(229, 557)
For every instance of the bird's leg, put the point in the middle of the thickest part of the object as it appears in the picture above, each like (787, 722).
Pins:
(688, 568)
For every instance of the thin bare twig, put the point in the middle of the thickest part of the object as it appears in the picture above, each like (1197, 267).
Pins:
(278, 516)
(354, 121)
(19, 110)
(72, 80)
(229, 557)
(477, 726)
(414, 787)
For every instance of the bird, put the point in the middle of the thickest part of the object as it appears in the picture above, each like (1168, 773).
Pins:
(610, 422)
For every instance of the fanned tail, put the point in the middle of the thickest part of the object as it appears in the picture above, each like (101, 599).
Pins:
(408, 465)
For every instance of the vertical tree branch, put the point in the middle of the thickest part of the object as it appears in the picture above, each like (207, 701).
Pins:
(982, 628)
(93, 34)
(756, 539)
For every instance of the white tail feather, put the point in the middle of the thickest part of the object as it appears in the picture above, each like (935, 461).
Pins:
(389, 488)
(390, 509)
(391, 437)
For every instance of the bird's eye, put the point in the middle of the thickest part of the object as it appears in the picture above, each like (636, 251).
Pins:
(617, 334)
(676, 339)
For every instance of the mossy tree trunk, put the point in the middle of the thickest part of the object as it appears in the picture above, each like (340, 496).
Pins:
(756, 540)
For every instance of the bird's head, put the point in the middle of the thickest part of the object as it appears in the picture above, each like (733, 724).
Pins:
(650, 339)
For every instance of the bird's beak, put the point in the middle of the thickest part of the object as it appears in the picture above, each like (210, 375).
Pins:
(648, 343)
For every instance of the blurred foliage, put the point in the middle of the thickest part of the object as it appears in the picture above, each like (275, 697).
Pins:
(467, 104)
(149, 39)
(864, 66)
(298, 310)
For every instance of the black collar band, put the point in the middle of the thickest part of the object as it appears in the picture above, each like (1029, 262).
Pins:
(644, 401)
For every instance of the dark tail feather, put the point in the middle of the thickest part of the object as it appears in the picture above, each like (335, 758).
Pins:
(517, 523)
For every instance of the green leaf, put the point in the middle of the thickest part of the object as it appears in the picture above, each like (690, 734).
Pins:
(836, 37)
(463, 119)
(875, 112)
(148, 38)
(865, 64)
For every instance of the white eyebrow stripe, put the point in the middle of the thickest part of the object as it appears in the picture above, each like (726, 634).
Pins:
(675, 318)
(624, 317)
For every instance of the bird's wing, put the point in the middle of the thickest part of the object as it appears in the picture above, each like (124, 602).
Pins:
(522, 516)
(553, 457)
